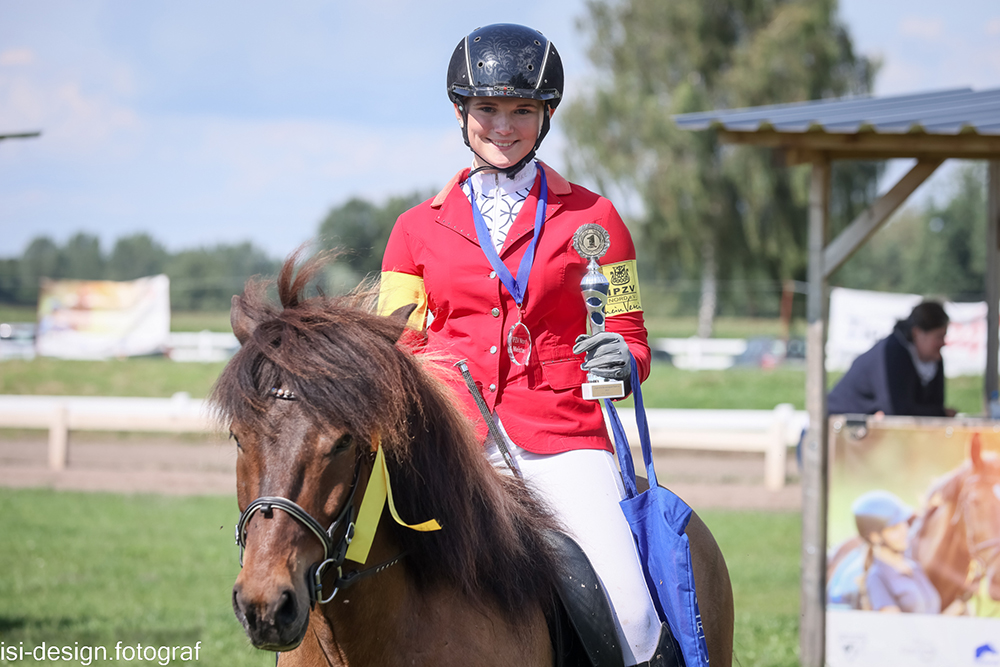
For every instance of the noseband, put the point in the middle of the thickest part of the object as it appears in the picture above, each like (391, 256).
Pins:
(334, 552)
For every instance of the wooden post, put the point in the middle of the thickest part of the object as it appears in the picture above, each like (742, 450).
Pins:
(992, 282)
(787, 302)
(59, 437)
(812, 631)
(871, 219)
(777, 451)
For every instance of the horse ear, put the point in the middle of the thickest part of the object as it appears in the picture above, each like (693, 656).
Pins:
(243, 325)
(976, 451)
(401, 316)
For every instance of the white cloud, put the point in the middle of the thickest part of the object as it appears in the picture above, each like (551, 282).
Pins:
(71, 117)
(12, 57)
(922, 27)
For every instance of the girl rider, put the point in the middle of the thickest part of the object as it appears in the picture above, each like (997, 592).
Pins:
(491, 265)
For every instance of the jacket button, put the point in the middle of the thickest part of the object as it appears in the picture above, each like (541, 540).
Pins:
(493, 387)
(496, 312)
(493, 349)
(493, 274)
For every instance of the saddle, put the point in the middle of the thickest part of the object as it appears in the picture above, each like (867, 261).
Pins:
(583, 627)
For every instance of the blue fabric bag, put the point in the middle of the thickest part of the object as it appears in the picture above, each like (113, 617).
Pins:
(658, 519)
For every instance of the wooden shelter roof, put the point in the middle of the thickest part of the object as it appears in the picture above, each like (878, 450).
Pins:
(960, 123)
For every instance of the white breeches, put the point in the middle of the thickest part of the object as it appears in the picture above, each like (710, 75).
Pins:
(583, 488)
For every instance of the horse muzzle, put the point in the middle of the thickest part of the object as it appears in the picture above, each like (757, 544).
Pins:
(274, 620)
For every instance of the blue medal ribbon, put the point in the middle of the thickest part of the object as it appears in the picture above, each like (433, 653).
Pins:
(516, 285)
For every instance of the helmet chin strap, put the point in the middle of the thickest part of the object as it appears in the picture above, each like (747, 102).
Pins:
(511, 171)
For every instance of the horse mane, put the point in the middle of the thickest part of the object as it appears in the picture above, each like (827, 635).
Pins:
(351, 369)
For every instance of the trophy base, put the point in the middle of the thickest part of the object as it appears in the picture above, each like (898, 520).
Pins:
(595, 391)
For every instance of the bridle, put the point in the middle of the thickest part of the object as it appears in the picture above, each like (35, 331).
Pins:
(334, 552)
(982, 553)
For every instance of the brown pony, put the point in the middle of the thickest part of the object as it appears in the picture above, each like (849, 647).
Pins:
(956, 539)
(318, 384)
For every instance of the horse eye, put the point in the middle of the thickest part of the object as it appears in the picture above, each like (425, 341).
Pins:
(232, 436)
(343, 442)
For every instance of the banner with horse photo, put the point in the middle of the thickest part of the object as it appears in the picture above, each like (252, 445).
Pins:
(913, 567)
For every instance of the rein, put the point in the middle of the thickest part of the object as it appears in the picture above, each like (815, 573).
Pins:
(334, 553)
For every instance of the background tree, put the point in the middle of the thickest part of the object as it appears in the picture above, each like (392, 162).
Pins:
(40, 260)
(136, 256)
(207, 278)
(360, 230)
(81, 258)
(935, 250)
(712, 212)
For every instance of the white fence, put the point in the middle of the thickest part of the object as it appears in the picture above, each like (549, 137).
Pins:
(769, 432)
(701, 353)
(62, 414)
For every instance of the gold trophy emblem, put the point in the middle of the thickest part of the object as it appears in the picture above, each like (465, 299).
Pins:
(592, 241)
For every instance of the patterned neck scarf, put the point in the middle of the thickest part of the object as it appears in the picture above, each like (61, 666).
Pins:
(500, 199)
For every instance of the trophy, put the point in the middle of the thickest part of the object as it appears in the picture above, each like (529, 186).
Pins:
(591, 241)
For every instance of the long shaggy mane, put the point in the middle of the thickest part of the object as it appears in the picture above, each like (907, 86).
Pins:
(350, 369)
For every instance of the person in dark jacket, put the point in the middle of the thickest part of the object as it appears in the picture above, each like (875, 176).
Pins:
(903, 374)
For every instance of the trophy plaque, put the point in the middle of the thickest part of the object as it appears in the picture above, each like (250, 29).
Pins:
(592, 241)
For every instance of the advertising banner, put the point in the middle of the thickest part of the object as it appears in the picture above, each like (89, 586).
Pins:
(913, 568)
(101, 319)
(859, 318)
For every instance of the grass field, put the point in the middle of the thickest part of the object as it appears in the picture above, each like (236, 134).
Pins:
(136, 376)
(667, 386)
(96, 569)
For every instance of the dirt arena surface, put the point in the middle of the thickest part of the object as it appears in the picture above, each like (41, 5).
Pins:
(199, 465)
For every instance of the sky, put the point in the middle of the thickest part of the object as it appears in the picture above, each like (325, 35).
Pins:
(203, 123)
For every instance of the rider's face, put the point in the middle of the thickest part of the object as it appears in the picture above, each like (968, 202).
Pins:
(896, 537)
(502, 130)
(929, 343)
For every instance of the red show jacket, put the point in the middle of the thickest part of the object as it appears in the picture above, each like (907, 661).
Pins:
(433, 258)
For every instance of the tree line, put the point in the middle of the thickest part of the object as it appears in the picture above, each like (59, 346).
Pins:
(204, 278)
(200, 279)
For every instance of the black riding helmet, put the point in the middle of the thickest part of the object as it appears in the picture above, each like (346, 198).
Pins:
(506, 60)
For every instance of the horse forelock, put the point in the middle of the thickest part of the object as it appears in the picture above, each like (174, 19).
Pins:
(346, 366)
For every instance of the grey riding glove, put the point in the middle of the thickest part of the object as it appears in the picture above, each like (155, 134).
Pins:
(607, 355)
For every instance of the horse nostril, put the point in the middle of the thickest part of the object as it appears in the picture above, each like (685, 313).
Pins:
(238, 606)
(286, 612)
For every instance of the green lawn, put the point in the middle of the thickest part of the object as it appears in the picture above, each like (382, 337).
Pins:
(667, 386)
(136, 376)
(100, 568)
(762, 551)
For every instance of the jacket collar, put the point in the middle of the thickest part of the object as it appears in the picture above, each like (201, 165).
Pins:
(557, 184)
(454, 210)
